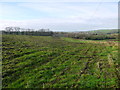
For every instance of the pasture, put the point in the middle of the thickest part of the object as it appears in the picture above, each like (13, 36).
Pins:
(55, 62)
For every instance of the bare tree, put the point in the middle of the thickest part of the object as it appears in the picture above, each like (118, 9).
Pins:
(17, 29)
(9, 29)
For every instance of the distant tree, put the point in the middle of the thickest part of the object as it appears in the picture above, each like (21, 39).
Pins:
(17, 29)
(9, 30)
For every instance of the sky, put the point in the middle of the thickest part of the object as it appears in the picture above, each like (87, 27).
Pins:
(67, 15)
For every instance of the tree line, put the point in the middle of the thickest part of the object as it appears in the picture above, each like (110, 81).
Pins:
(86, 35)
(22, 31)
(47, 32)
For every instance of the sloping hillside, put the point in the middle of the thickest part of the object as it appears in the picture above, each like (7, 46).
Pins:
(103, 31)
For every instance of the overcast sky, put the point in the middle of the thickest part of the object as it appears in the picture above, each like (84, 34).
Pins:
(60, 15)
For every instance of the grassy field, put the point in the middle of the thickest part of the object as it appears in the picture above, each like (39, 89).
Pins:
(49, 62)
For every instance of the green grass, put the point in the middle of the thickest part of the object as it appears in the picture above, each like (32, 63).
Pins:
(48, 62)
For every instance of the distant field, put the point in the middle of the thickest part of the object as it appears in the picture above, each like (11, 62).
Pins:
(49, 62)
(104, 31)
